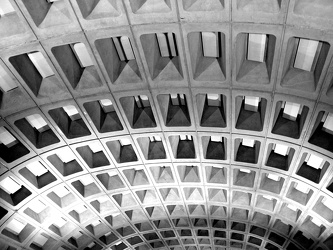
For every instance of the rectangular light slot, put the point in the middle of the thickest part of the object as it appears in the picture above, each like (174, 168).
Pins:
(328, 203)
(316, 221)
(210, 44)
(61, 191)
(292, 207)
(72, 112)
(6, 82)
(7, 138)
(36, 121)
(142, 101)
(37, 206)
(86, 180)
(6, 7)
(82, 55)
(124, 48)
(244, 170)
(248, 142)
(214, 100)
(96, 223)
(305, 54)
(273, 177)
(106, 105)
(65, 155)
(40, 240)
(302, 187)
(9, 185)
(314, 161)
(127, 46)
(185, 137)
(256, 47)
(167, 44)
(251, 103)
(216, 138)
(328, 124)
(80, 209)
(112, 173)
(119, 48)
(155, 138)
(37, 169)
(91, 244)
(125, 142)
(51, 1)
(95, 147)
(267, 197)
(60, 222)
(291, 110)
(77, 234)
(43, 67)
(281, 149)
(15, 226)
(177, 99)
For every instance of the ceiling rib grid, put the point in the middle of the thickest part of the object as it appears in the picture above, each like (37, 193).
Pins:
(112, 140)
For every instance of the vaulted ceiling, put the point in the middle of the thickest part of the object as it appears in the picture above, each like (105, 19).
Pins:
(166, 124)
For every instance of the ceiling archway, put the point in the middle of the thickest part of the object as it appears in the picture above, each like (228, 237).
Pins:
(166, 124)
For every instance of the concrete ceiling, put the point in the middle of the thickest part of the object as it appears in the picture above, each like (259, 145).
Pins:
(163, 146)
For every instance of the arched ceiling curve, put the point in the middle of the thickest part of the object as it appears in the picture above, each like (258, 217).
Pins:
(167, 124)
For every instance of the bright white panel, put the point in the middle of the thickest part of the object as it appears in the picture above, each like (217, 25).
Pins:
(281, 149)
(256, 47)
(36, 121)
(292, 207)
(9, 185)
(37, 206)
(163, 44)
(273, 177)
(128, 50)
(72, 112)
(6, 82)
(119, 48)
(210, 44)
(216, 138)
(15, 226)
(37, 168)
(248, 142)
(60, 222)
(61, 191)
(183, 137)
(252, 103)
(7, 138)
(86, 180)
(43, 67)
(328, 203)
(291, 110)
(316, 221)
(65, 155)
(244, 170)
(155, 138)
(305, 54)
(83, 55)
(174, 99)
(315, 161)
(214, 100)
(328, 124)
(125, 142)
(302, 187)
(6, 7)
(80, 209)
(107, 105)
(95, 147)
(145, 100)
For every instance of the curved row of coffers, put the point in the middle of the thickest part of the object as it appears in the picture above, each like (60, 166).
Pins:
(213, 178)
